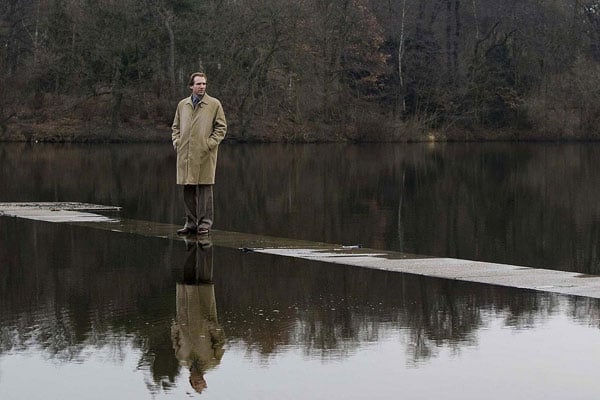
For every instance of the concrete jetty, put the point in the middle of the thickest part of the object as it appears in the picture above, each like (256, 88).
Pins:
(102, 217)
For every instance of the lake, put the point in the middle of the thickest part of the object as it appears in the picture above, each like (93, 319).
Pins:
(95, 314)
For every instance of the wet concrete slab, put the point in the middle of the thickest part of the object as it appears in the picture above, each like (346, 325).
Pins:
(563, 282)
(81, 214)
(57, 211)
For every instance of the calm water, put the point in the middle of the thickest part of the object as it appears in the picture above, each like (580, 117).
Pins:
(94, 314)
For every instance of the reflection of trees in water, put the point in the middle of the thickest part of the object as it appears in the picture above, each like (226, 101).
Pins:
(136, 177)
(65, 290)
(524, 204)
(103, 289)
(585, 309)
(330, 310)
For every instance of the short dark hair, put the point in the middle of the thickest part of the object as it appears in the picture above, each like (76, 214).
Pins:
(195, 74)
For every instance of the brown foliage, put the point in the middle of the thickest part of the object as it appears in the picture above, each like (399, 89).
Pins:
(305, 67)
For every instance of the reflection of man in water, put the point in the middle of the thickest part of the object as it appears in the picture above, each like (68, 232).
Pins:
(197, 337)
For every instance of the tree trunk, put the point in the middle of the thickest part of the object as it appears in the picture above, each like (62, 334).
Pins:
(475, 18)
(167, 19)
(456, 37)
(400, 55)
(116, 110)
(449, 40)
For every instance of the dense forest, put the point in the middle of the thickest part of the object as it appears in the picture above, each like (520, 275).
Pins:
(303, 70)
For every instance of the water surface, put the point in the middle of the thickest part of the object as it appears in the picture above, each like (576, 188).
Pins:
(95, 314)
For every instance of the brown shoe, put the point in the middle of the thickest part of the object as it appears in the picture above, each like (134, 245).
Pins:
(202, 231)
(186, 230)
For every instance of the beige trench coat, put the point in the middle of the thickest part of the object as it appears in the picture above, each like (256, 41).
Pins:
(196, 334)
(196, 137)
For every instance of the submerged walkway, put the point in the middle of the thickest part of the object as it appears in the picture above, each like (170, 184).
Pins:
(81, 214)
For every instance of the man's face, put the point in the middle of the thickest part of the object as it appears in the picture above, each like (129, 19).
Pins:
(199, 86)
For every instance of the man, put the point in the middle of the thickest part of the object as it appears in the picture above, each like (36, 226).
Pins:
(198, 128)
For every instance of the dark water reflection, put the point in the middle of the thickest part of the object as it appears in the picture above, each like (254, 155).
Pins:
(171, 311)
(524, 204)
(67, 289)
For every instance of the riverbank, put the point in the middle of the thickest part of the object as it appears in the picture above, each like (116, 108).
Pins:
(65, 130)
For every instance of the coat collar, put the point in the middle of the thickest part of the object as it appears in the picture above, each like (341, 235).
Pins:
(205, 100)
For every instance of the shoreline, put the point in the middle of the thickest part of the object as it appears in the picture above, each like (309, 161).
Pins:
(146, 131)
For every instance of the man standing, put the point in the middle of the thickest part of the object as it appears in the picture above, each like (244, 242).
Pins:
(198, 128)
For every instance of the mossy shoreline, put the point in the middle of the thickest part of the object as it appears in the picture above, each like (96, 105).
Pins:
(63, 131)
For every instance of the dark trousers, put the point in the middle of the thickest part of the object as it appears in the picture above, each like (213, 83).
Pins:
(198, 201)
